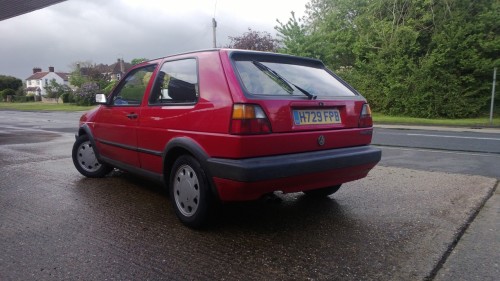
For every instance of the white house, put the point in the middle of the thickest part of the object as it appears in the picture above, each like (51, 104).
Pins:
(35, 84)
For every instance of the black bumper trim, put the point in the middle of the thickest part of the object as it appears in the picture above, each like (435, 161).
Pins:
(281, 166)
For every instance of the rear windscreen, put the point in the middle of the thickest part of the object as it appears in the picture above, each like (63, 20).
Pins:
(288, 79)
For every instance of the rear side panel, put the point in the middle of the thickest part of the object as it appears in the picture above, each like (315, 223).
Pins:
(205, 121)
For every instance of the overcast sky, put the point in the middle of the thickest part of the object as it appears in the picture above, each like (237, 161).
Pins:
(102, 31)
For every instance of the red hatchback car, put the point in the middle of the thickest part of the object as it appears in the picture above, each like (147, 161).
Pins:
(229, 125)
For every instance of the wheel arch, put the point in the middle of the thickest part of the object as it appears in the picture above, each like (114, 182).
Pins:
(85, 130)
(182, 146)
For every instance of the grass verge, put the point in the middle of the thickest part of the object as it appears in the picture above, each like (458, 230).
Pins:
(379, 118)
(38, 106)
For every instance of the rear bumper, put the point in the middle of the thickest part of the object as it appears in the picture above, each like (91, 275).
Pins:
(246, 179)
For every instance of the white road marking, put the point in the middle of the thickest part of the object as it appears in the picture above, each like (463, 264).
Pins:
(455, 137)
(440, 151)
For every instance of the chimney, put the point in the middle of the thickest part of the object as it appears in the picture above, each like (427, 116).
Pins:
(36, 69)
(122, 65)
(51, 69)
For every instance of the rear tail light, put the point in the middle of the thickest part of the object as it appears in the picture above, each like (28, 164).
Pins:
(249, 119)
(365, 119)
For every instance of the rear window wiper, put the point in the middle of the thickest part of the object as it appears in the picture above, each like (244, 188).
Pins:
(280, 80)
(305, 92)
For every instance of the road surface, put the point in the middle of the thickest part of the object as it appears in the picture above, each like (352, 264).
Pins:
(399, 223)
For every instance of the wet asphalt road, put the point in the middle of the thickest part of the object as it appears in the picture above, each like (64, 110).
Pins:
(396, 224)
(456, 141)
(473, 153)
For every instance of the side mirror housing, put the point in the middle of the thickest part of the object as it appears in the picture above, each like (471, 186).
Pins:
(101, 99)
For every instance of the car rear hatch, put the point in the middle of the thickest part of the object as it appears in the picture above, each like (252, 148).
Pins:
(305, 106)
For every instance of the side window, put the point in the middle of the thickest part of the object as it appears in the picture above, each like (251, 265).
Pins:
(133, 87)
(176, 82)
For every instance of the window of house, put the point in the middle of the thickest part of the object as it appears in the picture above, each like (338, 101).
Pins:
(176, 83)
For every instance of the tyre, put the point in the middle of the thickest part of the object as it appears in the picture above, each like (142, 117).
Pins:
(323, 191)
(85, 160)
(190, 192)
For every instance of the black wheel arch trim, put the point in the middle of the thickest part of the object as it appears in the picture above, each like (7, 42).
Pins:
(196, 151)
(188, 144)
(85, 130)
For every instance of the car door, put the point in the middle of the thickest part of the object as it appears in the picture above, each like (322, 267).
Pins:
(169, 112)
(116, 125)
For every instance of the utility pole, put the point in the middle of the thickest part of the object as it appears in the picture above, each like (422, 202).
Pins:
(214, 26)
(493, 95)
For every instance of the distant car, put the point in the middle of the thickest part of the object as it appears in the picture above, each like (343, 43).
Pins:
(229, 125)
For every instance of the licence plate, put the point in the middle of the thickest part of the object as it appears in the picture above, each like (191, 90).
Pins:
(316, 116)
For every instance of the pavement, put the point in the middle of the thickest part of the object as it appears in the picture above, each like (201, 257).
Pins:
(474, 254)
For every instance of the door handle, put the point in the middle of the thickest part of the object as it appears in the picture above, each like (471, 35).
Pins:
(132, 116)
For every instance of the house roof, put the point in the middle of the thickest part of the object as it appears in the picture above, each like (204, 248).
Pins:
(106, 69)
(103, 68)
(116, 67)
(40, 75)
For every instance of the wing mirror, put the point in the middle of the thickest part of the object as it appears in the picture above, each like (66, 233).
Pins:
(101, 99)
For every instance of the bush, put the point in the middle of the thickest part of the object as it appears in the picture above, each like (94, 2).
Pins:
(7, 92)
(68, 98)
(86, 94)
(65, 98)
(23, 98)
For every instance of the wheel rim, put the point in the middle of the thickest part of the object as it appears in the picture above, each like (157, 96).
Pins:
(86, 157)
(186, 190)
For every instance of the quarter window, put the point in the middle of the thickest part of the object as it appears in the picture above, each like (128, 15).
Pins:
(176, 82)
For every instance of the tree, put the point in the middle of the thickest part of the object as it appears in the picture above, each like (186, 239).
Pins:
(76, 78)
(254, 40)
(294, 38)
(86, 72)
(79, 74)
(138, 60)
(55, 90)
(6, 92)
(327, 32)
(107, 90)
(419, 58)
(85, 95)
(9, 82)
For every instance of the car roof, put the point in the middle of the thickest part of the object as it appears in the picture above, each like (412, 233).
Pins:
(241, 52)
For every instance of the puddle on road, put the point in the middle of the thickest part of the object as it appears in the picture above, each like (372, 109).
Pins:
(19, 137)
